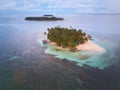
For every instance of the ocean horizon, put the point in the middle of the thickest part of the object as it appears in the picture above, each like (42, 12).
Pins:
(27, 65)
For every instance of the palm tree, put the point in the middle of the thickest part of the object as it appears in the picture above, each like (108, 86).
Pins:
(66, 37)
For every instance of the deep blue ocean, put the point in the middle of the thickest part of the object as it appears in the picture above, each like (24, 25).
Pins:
(26, 65)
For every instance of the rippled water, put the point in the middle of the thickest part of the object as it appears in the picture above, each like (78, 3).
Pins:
(26, 65)
(91, 58)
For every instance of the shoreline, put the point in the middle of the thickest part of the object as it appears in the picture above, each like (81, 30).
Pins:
(88, 46)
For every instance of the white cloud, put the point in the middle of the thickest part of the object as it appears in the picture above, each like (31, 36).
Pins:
(7, 4)
(90, 6)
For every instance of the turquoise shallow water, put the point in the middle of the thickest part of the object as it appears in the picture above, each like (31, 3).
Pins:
(99, 60)
(25, 64)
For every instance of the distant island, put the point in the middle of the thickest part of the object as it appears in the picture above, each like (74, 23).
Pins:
(44, 18)
(71, 39)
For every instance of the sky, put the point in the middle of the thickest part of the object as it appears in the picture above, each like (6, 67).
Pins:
(59, 6)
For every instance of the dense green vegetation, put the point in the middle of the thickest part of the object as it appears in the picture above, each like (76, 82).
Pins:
(66, 37)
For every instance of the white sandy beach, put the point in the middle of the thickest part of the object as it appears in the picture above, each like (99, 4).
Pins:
(88, 46)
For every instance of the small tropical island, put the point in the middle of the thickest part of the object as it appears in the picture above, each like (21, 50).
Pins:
(44, 18)
(71, 39)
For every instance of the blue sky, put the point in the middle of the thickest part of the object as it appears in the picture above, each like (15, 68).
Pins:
(59, 6)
